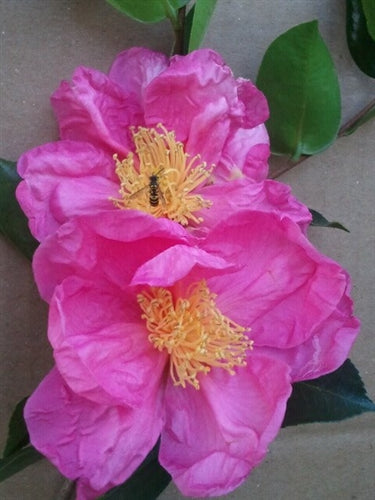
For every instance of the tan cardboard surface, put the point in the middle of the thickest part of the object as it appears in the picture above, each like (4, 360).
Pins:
(41, 42)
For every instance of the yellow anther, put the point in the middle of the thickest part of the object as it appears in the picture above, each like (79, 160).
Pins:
(193, 331)
(160, 178)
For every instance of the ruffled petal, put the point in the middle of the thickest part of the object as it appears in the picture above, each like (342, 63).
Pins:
(213, 437)
(98, 445)
(267, 196)
(135, 68)
(176, 263)
(101, 345)
(245, 152)
(285, 288)
(212, 120)
(198, 98)
(110, 247)
(279, 196)
(186, 89)
(326, 349)
(256, 162)
(95, 109)
(254, 102)
(48, 169)
(76, 197)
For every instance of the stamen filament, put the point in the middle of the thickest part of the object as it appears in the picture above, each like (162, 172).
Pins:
(194, 333)
(159, 179)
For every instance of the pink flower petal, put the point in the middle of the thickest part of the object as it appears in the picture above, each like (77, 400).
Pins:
(135, 68)
(215, 120)
(285, 288)
(176, 263)
(254, 101)
(93, 108)
(110, 247)
(48, 168)
(246, 152)
(101, 345)
(326, 349)
(240, 194)
(187, 88)
(76, 197)
(98, 445)
(215, 436)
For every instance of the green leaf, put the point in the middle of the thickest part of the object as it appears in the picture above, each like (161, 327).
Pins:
(18, 461)
(319, 220)
(148, 11)
(18, 453)
(146, 483)
(300, 82)
(13, 222)
(330, 398)
(202, 13)
(18, 436)
(360, 43)
(369, 11)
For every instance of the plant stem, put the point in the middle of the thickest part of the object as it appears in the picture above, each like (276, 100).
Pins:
(178, 47)
(177, 21)
(357, 119)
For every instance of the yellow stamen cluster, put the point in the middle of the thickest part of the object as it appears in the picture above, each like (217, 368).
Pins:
(159, 178)
(193, 331)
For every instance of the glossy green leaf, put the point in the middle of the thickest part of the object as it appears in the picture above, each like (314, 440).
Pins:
(203, 10)
(360, 43)
(369, 11)
(301, 85)
(319, 220)
(13, 222)
(18, 453)
(146, 483)
(18, 436)
(18, 461)
(330, 398)
(148, 11)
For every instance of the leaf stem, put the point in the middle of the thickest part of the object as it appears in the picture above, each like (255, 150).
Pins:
(364, 115)
(177, 20)
(178, 47)
(361, 117)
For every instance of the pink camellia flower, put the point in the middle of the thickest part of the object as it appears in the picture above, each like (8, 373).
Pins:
(195, 343)
(179, 138)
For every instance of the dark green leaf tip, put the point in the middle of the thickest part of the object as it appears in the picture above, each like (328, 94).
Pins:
(330, 398)
(319, 220)
(13, 222)
(18, 436)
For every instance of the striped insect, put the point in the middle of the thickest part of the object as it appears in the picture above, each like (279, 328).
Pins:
(154, 190)
(155, 193)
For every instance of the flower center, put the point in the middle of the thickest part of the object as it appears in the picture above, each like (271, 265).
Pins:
(159, 178)
(193, 332)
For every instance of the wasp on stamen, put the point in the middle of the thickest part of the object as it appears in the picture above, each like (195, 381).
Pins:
(154, 190)
(155, 193)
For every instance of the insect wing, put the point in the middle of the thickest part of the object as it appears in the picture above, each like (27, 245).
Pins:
(138, 192)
